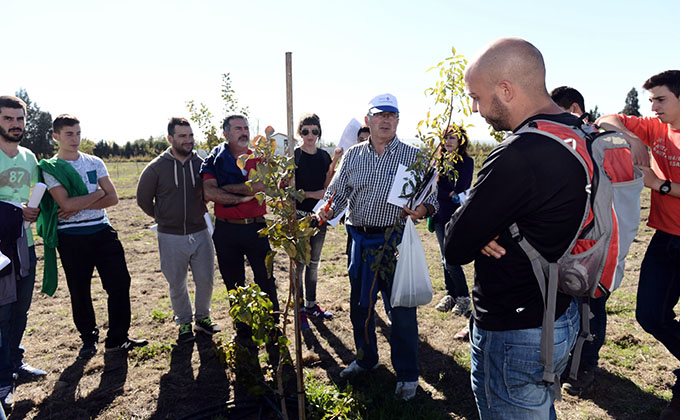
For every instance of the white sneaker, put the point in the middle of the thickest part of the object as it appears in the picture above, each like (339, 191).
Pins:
(406, 390)
(445, 304)
(354, 368)
(462, 305)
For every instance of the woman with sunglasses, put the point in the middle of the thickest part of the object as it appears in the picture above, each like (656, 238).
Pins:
(457, 297)
(313, 174)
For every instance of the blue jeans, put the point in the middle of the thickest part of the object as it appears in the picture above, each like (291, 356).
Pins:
(403, 334)
(454, 278)
(658, 292)
(5, 364)
(506, 375)
(19, 315)
(590, 354)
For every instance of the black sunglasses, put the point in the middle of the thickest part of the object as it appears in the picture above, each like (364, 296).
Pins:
(305, 131)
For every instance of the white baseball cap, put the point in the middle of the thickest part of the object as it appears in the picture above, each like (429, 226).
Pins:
(383, 103)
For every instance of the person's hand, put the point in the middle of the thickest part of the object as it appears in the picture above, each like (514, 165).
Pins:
(324, 215)
(337, 152)
(64, 215)
(492, 249)
(650, 179)
(30, 214)
(638, 150)
(257, 187)
(418, 213)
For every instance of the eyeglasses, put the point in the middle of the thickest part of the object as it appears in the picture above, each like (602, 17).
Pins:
(305, 131)
(387, 115)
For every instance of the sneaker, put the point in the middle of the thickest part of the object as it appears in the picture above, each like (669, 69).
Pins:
(463, 333)
(186, 334)
(446, 304)
(7, 398)
(584, 379)
(354, 368)
(406, 390)
(462, 305)
(27, 373)
(127, 345)
(207, 326)
(317, 312)
(389, 319)
(87, 350)
(304, 322)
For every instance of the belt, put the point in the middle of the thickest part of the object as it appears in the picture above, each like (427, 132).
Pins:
(371, 229)
(246, 221)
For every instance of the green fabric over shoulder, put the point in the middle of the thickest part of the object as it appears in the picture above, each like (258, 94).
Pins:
(46, 225)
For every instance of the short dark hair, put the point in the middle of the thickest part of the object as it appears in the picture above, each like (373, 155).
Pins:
(463, 138)
(227, 121)
(564, 96)
(668, 78)
(64, 120)
(364, 129)
(309, 119)
(10, 101)
(174, 122)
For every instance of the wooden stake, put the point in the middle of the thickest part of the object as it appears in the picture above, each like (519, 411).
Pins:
(294, 272)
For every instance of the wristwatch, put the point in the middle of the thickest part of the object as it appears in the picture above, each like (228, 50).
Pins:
(665, 188)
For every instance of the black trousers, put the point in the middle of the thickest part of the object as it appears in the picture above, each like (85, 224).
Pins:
(80, 254)
(233, 242)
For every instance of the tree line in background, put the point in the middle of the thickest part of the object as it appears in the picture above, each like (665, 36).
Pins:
(38, 133)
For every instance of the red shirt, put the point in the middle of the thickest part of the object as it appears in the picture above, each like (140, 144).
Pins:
(664, 141)
(244, 210)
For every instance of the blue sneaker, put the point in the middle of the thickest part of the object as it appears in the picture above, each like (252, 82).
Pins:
(7, 397)
(27, 373)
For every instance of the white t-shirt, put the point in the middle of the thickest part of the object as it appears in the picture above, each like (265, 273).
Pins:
(91, 169)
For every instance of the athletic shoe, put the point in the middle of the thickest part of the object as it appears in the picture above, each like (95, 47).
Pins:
(27, 373)
(206, 326)
(127, 345)
(406, 390)
(584, 379)
(446, 304)
(354, 368)
(7, 398)
(317, 312)
(304, 322)
(462, 305)
(185, 333)
(87, 350)
(463, 333)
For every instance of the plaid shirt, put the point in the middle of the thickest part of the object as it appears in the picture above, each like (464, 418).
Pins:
(364, 180)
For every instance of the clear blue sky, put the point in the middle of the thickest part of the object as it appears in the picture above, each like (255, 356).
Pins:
(125, 67)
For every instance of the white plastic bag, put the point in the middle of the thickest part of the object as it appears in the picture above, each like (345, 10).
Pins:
(411, 286)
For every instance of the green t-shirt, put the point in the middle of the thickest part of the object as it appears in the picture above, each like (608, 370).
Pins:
(17, 174)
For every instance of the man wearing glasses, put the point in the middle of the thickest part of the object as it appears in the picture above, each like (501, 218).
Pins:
(362, 184)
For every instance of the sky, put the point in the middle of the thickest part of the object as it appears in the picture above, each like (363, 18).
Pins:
(125, 67)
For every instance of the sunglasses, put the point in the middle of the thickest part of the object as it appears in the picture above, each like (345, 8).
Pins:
(305, 131)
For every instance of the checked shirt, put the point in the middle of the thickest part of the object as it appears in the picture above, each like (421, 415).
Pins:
(364, 182)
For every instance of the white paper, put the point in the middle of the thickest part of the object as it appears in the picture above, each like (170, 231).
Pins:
(400, 179)
(208, 222)
(153, 228)
(349, 136)
(334, 221)
(36, 196)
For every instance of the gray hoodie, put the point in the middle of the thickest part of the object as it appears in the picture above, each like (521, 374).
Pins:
(172, 193)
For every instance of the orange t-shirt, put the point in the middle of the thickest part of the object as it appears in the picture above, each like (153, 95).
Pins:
(664, 141)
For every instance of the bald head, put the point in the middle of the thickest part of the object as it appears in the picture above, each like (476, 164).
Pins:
(510, 76)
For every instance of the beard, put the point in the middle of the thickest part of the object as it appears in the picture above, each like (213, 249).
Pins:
(498, 116)
(243, 141)
(14, 138)
(182, 152)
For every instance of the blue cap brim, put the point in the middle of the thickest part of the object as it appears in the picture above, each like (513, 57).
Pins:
(383, 108)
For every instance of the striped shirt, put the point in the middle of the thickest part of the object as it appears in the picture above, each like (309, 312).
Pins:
(364, 180)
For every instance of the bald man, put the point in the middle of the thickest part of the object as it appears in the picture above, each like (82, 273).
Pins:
(535, 182)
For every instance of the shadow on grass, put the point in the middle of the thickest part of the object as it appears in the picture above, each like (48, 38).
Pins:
(622, 398)
(180, 394)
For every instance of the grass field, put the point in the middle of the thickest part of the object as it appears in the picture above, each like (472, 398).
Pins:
(165, 381)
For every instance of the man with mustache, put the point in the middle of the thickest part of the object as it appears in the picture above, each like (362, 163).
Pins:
(238, 217)
(535, 182)
(659, 286)
(18, 171)
(170, 190)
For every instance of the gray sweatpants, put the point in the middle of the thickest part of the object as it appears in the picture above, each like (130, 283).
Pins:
(178, 253)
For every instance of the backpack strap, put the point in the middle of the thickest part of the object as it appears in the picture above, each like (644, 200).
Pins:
(583, 336)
